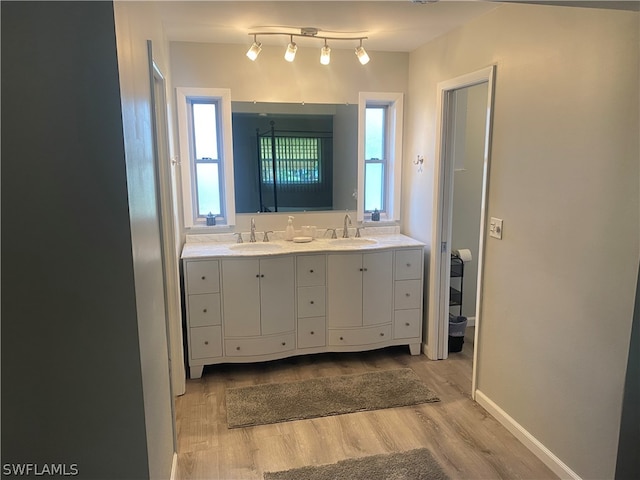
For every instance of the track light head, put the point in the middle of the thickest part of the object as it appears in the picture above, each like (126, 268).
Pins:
(362, 55)
(325, 54)
(254, 51)
(290, 54)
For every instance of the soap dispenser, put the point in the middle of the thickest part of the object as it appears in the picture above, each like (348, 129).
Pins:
(289, 233)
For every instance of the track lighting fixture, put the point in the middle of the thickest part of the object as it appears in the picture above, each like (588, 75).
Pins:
(362, 55)
(254, 51)
(308, 32)
(290, 54)
(325, 54)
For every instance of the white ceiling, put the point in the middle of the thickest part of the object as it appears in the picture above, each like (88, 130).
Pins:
(399, 25)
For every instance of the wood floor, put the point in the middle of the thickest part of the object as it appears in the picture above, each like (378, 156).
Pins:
(466, 441)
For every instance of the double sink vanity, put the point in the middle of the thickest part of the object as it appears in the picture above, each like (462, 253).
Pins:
(257, 301)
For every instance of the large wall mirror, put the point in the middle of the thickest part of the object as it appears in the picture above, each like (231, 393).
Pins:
(294, 157)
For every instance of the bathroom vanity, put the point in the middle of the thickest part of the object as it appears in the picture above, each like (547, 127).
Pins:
(260, 301)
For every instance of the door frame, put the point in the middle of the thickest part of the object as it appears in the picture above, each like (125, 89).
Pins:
(440, 258)
(164, 182)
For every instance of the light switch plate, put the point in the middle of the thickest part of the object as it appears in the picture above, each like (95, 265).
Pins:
(495, 228)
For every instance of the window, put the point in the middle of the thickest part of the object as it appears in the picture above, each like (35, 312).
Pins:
(380, 155)
(298, 160)
(204, 120)
(375, 158)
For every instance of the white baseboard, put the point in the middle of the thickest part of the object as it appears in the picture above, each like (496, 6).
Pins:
(174, 466)
(528, 440)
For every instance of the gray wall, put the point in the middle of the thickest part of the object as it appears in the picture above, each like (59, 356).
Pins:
(72, 386)
(559, 287)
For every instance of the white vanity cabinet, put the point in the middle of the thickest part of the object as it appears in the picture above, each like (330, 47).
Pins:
(360, 289)
(258, 296)
(252, 307)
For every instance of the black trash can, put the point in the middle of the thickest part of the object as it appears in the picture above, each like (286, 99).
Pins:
(457, 327)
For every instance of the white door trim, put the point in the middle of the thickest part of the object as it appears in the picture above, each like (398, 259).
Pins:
(440, 260)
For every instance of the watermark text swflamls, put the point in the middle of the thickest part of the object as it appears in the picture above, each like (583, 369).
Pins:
(37, 469)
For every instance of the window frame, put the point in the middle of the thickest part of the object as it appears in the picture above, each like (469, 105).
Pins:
(222, 98)
(393, 148)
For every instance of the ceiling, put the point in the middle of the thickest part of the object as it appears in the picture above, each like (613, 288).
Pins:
(396, 26)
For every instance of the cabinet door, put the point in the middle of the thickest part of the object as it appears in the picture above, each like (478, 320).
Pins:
(241, 297)
(277, 295)
(344, 290)
(377, 288)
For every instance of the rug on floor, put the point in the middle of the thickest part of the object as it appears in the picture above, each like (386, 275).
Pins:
(416, 464)
(320, 397)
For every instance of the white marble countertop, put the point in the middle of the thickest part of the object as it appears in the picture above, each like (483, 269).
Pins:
(203, 246)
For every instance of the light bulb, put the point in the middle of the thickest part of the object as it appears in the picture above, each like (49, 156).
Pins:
(254, 51)
(361, 53)
(325, 55)
(290, 54)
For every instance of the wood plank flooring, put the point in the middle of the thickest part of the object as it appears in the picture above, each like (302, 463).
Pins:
(467, 442)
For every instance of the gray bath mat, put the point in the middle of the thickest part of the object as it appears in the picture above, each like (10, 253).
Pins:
(412, 465)
(320, 397)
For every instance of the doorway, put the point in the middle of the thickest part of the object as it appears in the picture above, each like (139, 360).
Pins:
(464, 107)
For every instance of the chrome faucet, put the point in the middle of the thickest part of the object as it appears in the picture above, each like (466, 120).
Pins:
(252, 236)
(345, 228)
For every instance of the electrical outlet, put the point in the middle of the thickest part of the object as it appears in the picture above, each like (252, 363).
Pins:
(495, 228)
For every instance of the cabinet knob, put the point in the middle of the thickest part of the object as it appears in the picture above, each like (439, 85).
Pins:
(261, 276)
(204, 310)
(237, 348)
(284, 343)
(407, 324)
(257, 275)
(312, 332)
(206, 342)
(311, 302)
(382, 334)
(362, 269)
(408, 294)
(310, 271)
(366, 270)
(203, 277)
(341, 338)
(408, 264)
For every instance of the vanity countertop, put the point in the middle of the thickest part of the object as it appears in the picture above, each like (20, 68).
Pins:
(211, 248)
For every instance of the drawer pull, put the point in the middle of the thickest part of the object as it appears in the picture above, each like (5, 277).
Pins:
(312, 332)
(407, 324)
(382, 334)
(284, 343)
(237, 348)
(206, 342)
(408, 294)
(311, 302)
(408, 264)
(310, 271)
(203, 277)
(204, 310)
(341, 338)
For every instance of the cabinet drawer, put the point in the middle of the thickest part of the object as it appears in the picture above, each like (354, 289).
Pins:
(407, 294)
(409, 264)
(311, 301)
(360, 336)
(203, 277)
(206, 342)
(406, 323)
(259, 345)
(311, 332)
(204, 310)
(310, 270)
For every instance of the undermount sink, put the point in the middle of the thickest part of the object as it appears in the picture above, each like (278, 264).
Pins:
(256, 247)
(354, 241)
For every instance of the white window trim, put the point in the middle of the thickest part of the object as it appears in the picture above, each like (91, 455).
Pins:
(187, 171)
(394, 102)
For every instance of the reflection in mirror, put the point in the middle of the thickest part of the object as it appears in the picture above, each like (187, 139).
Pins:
(294, 157)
